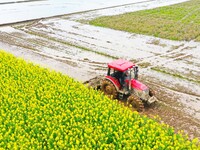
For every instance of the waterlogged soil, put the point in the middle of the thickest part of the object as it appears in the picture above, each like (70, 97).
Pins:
(69, 45)
(13, 11)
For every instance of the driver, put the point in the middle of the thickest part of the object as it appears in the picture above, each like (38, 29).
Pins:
(125, 77)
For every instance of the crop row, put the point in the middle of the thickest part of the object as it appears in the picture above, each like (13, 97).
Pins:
(43, 109)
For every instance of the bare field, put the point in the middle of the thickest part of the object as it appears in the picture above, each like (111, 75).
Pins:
(82, 51)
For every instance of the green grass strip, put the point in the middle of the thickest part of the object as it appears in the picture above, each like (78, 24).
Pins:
(176, 22)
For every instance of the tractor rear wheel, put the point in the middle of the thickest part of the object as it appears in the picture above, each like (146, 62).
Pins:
(109, 89)
(135, 102)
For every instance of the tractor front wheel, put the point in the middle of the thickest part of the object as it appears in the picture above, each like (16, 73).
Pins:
(109, 89)
(135, 102)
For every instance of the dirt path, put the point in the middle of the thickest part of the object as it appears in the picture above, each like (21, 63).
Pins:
(82, 52)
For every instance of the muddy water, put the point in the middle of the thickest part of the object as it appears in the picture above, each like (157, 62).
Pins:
(13, 11)
(82, 52)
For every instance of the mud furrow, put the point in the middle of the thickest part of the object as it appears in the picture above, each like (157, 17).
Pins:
(106, 45)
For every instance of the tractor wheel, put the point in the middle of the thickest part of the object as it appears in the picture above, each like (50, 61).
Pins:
(109, 89)
(135, 102)
(151, 92)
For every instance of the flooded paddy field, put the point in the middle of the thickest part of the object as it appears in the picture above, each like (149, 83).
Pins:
(13, 11)
(69, 45)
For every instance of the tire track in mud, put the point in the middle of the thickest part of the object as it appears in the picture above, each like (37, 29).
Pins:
(173, 111)
(99, 40)
(175, 118)
(175, 62)
(37, 42)
(182, 101)
(67, 38)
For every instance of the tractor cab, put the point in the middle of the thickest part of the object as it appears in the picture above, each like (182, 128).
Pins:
(122, 71)
(121, 82)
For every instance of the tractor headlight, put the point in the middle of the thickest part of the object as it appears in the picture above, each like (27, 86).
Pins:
(144, 95)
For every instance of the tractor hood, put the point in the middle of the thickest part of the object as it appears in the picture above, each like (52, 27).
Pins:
(138, 85)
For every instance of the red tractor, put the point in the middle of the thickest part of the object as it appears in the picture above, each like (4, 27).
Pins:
(121, 83)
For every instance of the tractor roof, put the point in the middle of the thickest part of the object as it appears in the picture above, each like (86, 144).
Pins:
(121, 65)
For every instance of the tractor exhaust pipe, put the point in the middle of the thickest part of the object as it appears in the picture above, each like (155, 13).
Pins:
(129, 80)
(135, 72)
